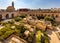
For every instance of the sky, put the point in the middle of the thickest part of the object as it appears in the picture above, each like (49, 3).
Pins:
(33, 4)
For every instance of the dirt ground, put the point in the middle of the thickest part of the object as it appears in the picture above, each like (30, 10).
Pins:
(53, 36)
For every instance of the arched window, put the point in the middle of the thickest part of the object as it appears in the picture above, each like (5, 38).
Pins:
(12, 15)
(56, 15)
(52, 15)
(7, 16)
(0, 17)
(33, 14)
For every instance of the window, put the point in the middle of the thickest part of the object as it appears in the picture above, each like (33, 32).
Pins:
(12, 15)
(7, 16)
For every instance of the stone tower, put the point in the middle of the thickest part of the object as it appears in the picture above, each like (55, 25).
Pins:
(12, 3)
(11, 8)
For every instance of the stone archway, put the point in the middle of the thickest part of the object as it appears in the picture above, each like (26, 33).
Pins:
(7, 16)
(0, 17)
(12, 16)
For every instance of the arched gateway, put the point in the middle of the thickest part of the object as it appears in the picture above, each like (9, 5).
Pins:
(0, 17)
(12, 16)
(7, 16)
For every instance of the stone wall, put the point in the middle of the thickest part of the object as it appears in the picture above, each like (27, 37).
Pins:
(7, 15)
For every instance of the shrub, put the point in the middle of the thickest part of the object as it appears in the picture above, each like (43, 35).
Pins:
(49, 18)
(31, 37)
(4, 23)
(11, 22)
(40, 17)
(7, 34)
(46, 39)
(18, 19)
(22, 16)
(54, 23)
(1, 33)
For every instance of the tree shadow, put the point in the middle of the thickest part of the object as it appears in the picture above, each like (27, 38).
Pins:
(49, 32)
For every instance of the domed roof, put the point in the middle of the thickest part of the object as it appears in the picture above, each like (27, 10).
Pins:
(10, 8)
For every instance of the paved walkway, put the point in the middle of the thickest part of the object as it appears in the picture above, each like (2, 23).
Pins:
(53, 37)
